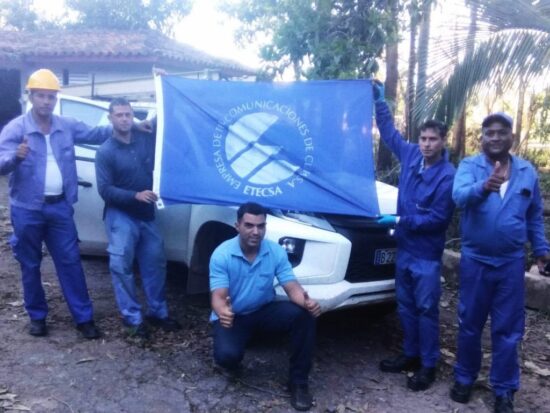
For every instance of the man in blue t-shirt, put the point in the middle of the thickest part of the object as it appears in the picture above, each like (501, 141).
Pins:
(242, 272)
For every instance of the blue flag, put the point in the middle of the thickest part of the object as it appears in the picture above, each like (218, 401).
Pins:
(303, 146)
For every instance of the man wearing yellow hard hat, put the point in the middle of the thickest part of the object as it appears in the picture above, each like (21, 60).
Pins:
(37, 150)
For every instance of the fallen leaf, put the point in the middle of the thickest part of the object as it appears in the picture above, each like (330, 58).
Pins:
(8, 396)
(536, 369)
(20, 407)
(447, 353)
(86, 360)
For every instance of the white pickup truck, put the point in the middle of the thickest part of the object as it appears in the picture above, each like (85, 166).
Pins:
(342, 261)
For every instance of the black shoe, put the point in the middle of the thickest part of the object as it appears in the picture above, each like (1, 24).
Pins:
(461, 393)
(400, 363)
(138, 331)
(167, 324)
(422, 379)
(504, 404)
(88, 330)
(38, 328)
(300, 398)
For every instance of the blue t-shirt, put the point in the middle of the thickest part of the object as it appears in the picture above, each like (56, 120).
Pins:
(250, 284)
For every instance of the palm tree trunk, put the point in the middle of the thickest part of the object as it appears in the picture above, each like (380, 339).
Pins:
(384, 160)
(423, 50)
(409, 97)
(459, 144)
(519, 115)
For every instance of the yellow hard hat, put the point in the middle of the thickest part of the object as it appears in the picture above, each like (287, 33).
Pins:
(43, 79)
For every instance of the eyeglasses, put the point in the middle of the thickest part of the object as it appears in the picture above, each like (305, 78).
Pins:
(500, 132)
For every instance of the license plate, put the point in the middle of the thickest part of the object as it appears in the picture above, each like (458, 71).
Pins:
(384, 256)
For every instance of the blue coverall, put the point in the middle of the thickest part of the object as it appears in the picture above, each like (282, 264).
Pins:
(35, 221)
(425, 208)
(494, 231)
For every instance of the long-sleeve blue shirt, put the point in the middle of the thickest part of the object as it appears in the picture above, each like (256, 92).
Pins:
(27, 177)
(424, 202)
(122, 170)
(494, 229)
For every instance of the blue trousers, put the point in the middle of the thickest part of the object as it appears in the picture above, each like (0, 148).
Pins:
(53, 225)
(275, 317)
(418, 289)
(131, 238)
(497, 291)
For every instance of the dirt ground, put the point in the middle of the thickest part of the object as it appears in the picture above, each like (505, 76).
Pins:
(173, 372)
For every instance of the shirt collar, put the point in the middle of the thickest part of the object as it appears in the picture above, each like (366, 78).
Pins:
(30, 125)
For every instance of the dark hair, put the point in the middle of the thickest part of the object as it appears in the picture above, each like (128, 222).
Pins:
(440, 127)
(250, 208)
(118, 102)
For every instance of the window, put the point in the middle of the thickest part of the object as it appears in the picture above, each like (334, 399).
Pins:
(89, 114)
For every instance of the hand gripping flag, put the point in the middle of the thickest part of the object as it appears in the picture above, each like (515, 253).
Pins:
(304, 146)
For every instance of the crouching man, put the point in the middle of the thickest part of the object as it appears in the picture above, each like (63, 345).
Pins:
(242, 271)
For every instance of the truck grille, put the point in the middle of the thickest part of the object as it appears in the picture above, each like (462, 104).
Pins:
(366, 237)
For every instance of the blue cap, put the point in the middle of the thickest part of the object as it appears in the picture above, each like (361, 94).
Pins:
(501, 117)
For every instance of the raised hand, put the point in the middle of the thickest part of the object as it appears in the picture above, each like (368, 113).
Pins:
(496, 179)
(311, 305)
(226, 315)
(23, 149)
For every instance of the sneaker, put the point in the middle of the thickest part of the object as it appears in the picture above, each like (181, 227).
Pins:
(400, 363)
(167, 324)
(300, 398)
(422, 379)
(461, 393)
(38, 328)
(88, 330)
(138, 331)
(504, 404)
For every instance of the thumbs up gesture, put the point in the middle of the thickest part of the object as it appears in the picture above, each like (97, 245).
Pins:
(227, 315)
(496, 179)
(311, 305)
(22, 149)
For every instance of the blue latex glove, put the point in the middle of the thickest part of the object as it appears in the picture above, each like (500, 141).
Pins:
(378, 91)
(387, 220)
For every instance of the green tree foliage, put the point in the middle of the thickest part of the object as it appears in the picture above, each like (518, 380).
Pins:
(320, 39)
(20, 15)
(514, 46)
(130, 14)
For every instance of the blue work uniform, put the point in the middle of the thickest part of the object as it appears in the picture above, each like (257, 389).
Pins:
(123, 170)
(425, 208)
(36, 218)
(494, 230)
(252, 293)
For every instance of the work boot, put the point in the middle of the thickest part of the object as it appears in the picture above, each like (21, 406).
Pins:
(400, 363)
(138, 331)
(38, 328)
(504, 404)
(461, 393)
(167, 324)
(422, 379)
(88, 330)
(300, 398)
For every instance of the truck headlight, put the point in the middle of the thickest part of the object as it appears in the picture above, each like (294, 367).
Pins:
(294, 248)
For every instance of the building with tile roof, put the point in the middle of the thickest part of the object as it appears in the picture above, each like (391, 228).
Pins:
(84, 59)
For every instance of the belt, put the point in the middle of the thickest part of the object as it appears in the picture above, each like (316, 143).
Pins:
(53, 199)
